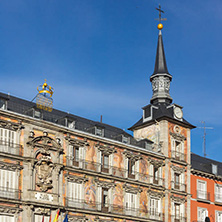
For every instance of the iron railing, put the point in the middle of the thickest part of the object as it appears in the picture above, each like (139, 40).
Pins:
(178, 186)
(112, 208)
(9, 193)
(114, 171)
(11, 148)
(178, 156)
(177, 218)
(203, 195)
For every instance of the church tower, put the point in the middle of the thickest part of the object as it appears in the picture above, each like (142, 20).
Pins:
(163, 123)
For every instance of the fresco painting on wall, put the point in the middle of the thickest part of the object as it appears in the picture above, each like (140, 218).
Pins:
(90, 163)
(144, 203)
(118, 198)
(90, 194)
(143, 170)
(118, 164)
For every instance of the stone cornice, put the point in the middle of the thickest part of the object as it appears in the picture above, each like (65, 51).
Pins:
(10, 166)
(131, 189)
(177, 199)
(107, 150)
(104, 184)
(10, 125)
(155, 194)
(178, 136)
(132, 156)
(76, 179)
(178, 169)
(156, 163)
(77, 142)
(10, 210)
(207, 175)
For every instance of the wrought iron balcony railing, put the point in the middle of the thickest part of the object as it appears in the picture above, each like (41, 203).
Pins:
(113, 170)
(177, 218)
(115, 209)
(9, 193)
(179, 156)
(203, 195)
(178, 186)
(11, 148)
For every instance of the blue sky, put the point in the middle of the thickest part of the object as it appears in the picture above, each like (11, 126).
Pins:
(99, 54)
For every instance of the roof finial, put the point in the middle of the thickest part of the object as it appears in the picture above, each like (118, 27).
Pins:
(160, 26)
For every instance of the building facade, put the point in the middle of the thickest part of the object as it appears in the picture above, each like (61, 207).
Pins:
(93, 171)
(206, 189)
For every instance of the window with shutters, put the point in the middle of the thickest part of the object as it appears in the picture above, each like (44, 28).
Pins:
(218, 216)
(177, 212)
(130, 203)
(131, 169)
(154, 208)
(155, 175)
(218, 193)
(8, 139)
(7, 218)
(38, 218)
(74, 194)
(177, 150)
(75, 151)
(9, 184)
(201, 189)
(177, 181)
(202, 213)
(105, 200)
(104, 163)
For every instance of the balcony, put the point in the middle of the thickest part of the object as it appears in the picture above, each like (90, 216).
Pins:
(177, 218)
(178, 186)
(218, 197)
(114, 209)
(11, 148)
(9, 193)
(203, 195)
(179, 156)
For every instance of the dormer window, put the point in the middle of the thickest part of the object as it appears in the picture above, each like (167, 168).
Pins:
(214, 169)
(71, 124)
(125, 139)
(37, 114)
(99, 131)
(2, 103)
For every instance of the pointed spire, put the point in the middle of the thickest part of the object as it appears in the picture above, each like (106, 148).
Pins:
(160, 64)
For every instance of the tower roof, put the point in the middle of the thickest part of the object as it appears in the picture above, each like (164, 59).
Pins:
(160, 64)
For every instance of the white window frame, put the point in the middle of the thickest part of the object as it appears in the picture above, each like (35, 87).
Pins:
(154, 211)
(75, 193)
(200, 210)
(218, 193)
(131, 203)
(202, 193)
(218, 216)
(7, 217)
(38, 218)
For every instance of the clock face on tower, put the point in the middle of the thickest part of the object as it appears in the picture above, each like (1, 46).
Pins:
(178, 112)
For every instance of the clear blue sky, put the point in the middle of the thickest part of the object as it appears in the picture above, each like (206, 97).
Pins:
(99, 55)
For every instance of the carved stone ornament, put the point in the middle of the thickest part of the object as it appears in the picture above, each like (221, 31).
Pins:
(156, 163)
(44, 168)
(10, 125)
(104, 184)
(107, 150)
(177, 169)
(76, 179)
(77, 142)
(131, 189)
(178, 136)
(178, 200)
(42, 211)
(10, 210)
(155, 194)
(132, 156)
(8, 166)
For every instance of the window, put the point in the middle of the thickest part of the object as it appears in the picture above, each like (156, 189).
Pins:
(2, 104)
(8, 184)
(130, 203)
(37, 114)
(74, 194)
(38, 218)
(71, 124)
(105, 199)
(201, 189)
(98, 131)
(154, 208)
(75, 156)
(177, 212)
(6, 218)
(105, 163)
(155, 175)
(218, 193)
(218, 216)
(177, 181)
(214, 169)
(202, 213)
(178, 150)
(125, 139)
(131, 169)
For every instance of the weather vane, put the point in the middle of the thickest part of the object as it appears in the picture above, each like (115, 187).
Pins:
(160, 26)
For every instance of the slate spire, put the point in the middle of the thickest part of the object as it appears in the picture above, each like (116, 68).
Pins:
(160, 78)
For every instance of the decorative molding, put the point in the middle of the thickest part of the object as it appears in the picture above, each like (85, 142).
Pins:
(178, 136)
(107, 150)
(156, 163)
(10, 210)
(76, 142)
(10, 125)
(177, 169)
(104, 184)
(131, 189)
(8, 166)
(207, 175)
(77, 219)
(179, 200)
(75, 179)
(42, 211)
(132, 156)
(154, 194)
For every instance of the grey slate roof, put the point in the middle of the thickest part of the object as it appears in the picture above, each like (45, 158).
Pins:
(204, 164)
(25, 107)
